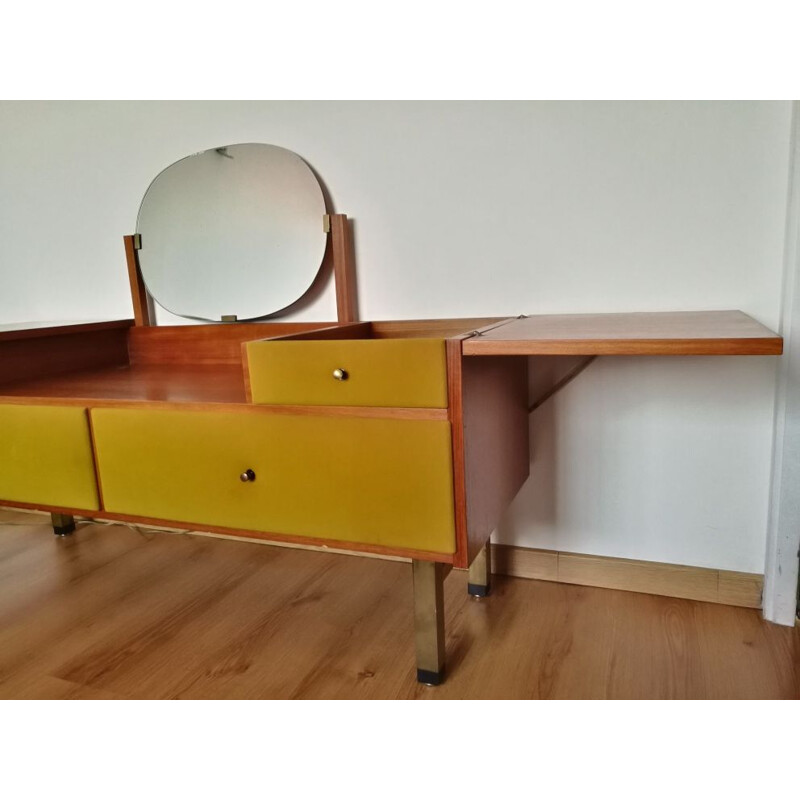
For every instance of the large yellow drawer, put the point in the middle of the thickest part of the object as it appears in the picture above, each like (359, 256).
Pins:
(400, 373)
(46, 456)
(380, 481)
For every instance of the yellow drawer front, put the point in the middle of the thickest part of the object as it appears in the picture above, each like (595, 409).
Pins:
(379, 481)
(46, 456)
(400, 373)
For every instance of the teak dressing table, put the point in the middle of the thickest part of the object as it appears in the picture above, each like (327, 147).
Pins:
(404, 438)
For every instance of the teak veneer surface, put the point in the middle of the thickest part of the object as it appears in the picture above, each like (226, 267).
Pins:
(647, 333)
(112, 612)
(397, 329)
(36, 330)
(496, 447)
(219, 343)
(345, 330)
(487, 399)
(195, 386)
(57, 349)
(344, 268)
(175, 383)
(142, 306)
(432, 328)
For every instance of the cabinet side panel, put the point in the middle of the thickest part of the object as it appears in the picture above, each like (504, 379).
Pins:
(455, 414)
(496, 450)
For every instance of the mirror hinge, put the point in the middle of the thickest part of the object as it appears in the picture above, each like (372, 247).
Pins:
(326, 223)
(229, 318)
(137, 241)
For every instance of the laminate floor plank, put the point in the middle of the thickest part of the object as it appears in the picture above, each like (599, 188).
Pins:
(114, 612)
(45, 687)
(101, 620)
(44, 562)
(262, 639)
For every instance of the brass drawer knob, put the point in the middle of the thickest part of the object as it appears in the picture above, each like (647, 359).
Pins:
(340, 374)
(248, 476)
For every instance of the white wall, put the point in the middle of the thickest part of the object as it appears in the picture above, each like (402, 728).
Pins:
(783, 533)
(488, 209)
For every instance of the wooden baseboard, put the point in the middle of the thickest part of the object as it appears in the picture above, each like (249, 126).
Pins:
(649, 577)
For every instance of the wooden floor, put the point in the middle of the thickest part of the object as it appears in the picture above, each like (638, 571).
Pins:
(112, 612)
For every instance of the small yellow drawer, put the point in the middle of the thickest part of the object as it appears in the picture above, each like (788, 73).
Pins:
(46, 456)
(400, 373)
(378, 481)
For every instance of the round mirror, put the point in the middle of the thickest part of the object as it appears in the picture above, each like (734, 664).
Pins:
(232, 233)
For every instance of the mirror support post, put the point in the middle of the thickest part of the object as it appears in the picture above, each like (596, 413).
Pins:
(344, 268)
(139, 296)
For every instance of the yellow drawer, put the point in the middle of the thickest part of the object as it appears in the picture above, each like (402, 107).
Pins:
(380, 481)
(46, 456)
(400, 373)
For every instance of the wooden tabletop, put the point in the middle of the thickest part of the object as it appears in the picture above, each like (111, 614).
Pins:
(33, 330)
(707, 333)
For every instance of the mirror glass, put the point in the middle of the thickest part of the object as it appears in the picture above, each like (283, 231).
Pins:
(236, 230)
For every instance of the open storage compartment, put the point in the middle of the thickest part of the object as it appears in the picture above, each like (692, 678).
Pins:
(379, 365)
(113, 363)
